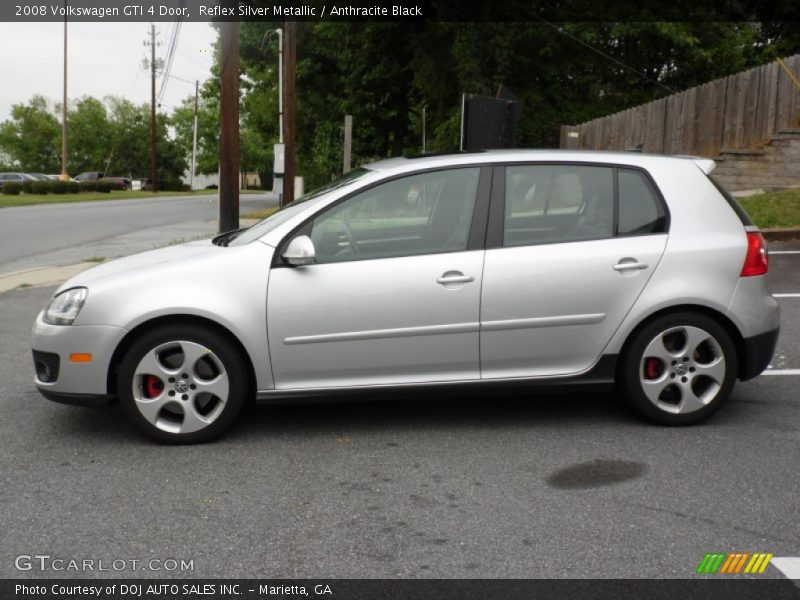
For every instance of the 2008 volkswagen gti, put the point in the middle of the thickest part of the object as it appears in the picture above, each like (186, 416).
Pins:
(537, 269)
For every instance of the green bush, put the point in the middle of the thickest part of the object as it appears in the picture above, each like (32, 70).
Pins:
(103, 186)
(40, 187)
(27, 186)
(12, 188)
(59, 187)
(74, 187)
(88, 186)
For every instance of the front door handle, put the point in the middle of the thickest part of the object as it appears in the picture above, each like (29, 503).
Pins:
(629, 264)
(454, 277)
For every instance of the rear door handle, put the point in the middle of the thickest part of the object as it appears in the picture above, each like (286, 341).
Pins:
(629, 266)
(449, 278)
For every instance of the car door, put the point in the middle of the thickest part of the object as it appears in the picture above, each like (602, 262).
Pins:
(394, 294)
(569, 249)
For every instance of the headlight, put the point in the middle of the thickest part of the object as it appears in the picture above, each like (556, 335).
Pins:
(64, 308)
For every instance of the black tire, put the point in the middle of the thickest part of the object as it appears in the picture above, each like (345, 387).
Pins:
(220, 347)
(699, 393)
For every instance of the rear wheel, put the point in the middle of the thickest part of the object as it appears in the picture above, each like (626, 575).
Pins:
(182, 384)
(679, 369)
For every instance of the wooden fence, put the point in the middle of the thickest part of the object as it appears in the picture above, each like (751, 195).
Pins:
(735, 112)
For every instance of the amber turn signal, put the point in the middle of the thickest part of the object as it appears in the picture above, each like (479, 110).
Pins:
(80, 357)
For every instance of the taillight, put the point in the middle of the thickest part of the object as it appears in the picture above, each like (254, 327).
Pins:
(755, 263)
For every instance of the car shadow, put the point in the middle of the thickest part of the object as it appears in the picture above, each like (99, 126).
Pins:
(431, 413)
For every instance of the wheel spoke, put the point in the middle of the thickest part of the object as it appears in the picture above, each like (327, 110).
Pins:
(689, 400)
(715, 370)
(218, 386)
(150, 365)
(192, 352)
(150, 408)
(657, 349)
(694, 337)
(192, 420)
(653, 389)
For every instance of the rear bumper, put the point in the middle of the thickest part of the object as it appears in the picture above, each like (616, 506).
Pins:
(759, 350)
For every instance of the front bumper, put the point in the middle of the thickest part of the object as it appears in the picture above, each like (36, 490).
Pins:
(82, 383)
(759, 350)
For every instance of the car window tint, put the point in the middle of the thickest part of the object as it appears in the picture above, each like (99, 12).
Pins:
(420, 214)
(640, 211)
(557, 203)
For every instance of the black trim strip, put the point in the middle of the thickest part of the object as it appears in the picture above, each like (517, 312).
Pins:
(599, 378)
(90, 400)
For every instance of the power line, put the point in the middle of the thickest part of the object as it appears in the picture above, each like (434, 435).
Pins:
(173, 43)
(598, 51)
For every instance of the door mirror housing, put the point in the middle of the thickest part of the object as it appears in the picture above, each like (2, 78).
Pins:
(299, 252)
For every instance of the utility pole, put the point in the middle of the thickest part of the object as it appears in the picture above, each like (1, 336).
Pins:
(194, 134)
(64, 176)
(424, 141)
(289, 109)
(229, 125)
(348, 142)
(280, 84)
(153, 156)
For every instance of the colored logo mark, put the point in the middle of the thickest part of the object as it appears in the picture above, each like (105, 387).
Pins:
(733, 563)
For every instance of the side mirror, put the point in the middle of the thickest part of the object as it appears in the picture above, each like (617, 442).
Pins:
(299, 252)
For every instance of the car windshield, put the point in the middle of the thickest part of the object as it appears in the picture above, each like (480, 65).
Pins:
(287, 212)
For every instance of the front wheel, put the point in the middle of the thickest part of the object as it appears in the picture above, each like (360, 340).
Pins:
(679, 369)
(182, 384)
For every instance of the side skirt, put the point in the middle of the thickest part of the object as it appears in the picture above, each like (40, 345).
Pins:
(599, 378)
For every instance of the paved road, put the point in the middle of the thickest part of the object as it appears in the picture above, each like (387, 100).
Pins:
(490, 487)
(27, 231)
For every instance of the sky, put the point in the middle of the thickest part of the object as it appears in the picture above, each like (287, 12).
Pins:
(104, 59)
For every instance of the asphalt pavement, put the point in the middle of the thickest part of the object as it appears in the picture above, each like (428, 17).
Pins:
(548, 486)
(48, 234)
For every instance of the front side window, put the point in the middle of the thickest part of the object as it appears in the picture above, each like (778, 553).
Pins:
(420, 214)
(558, 203)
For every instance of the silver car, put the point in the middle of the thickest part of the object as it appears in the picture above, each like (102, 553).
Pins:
(538, 270)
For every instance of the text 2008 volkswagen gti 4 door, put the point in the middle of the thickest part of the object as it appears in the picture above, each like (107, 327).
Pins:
(537, 269)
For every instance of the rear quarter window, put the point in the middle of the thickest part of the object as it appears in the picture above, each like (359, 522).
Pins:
(640, 210)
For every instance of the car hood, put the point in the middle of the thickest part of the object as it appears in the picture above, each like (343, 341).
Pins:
(141, 260)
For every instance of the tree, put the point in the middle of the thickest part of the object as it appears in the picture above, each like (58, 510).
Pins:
(32, 137)
(90, 136)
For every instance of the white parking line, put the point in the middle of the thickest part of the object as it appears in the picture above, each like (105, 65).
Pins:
(786, 295)
(789, 566)
(784, 251)
(781, 372)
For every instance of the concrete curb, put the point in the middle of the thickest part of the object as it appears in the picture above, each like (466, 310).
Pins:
(41, 276)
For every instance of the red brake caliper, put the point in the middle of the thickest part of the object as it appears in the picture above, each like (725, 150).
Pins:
(152, 386)
(653, 368)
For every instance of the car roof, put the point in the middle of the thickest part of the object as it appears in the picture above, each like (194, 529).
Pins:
(639, 159)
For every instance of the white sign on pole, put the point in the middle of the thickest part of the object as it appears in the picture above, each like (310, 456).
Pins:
(280, 154)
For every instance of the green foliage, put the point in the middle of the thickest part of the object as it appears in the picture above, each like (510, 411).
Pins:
(91, 138)
(58, 187)
(12, 188)
(111, 135)
(385, 73)
(103, 187)
(88, 186)
(40, 187)
(74, 187)
(32, 137)
(27, 186)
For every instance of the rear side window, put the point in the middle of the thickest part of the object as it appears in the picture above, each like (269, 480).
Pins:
(558, 203)
(640, 211)
(737, 208)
